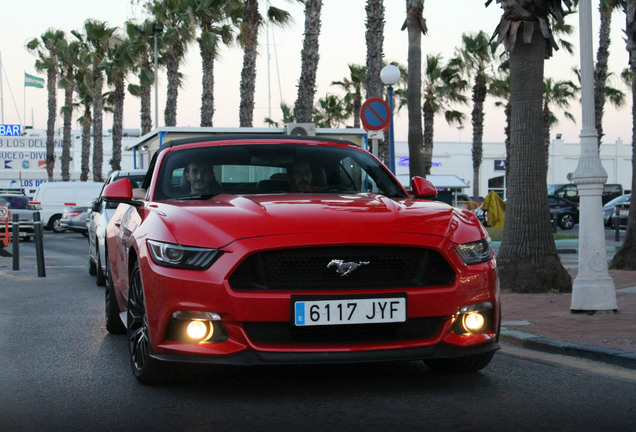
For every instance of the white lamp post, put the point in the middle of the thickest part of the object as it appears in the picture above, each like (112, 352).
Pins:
(593, 288)
(390, 75)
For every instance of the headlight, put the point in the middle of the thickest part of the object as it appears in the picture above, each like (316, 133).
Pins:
(185, 257)
(475, 252)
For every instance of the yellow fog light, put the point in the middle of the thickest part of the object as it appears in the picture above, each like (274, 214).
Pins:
(197, 329)
(473, 321)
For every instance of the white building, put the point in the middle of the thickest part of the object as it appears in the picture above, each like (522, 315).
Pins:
(23, 158)
(456, 158)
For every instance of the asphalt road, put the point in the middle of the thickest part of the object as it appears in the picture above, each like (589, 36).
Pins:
(61, 371)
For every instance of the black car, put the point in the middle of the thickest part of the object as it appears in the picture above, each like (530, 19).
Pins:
(566, 212)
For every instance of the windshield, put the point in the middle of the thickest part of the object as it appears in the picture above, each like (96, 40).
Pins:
(245, 169)
(618, 200)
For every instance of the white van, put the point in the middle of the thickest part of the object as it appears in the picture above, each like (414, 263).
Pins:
(52, 197)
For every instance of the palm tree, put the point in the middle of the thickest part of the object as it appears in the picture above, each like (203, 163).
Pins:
(249, 28)
(625, 258)
(375, 42)
(68, 54)
(525, 31)
(416, 26)
(118, 63)
(142, 49)
(331, 112)
(309, 62)
(85, 90)
(443, 87)
(556, 94)
(352, 85)
(46, 48)
(98, 38)
(476, 56)
(288, 116)
(606, 8)
(212, 18)
(499, 88)
(175, 16)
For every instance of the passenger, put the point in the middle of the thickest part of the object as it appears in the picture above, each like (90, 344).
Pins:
(201, 177)
(300, 176)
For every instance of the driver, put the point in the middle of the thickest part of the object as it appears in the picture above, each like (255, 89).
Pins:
(200, 175)
(300, 176)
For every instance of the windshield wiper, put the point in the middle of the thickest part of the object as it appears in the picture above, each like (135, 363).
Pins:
(197, 196)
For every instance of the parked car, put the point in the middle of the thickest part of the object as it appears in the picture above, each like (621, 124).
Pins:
(74, 219)
(571, 192)
(566, 212)
(100, 213)
(303, 250)
(623, 214)
(609, 208)
(52, 198)
(18, 204)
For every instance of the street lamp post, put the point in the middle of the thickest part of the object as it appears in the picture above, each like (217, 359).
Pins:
(157, 29)
(593, 289)
(390, 75)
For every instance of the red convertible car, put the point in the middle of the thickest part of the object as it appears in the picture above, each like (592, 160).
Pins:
(288, 250)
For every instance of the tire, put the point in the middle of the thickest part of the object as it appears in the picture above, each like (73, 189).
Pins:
(146, 369)
(471, 363)
(113, 322)
(92, 267)
(54, 224)
(566, 221)
(101, 277)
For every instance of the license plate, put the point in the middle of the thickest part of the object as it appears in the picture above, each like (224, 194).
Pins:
(349, 311)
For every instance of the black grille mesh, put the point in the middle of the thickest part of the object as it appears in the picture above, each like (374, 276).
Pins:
(306, 269)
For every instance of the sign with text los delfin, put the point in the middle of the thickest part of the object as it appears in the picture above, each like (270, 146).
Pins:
(10, 130)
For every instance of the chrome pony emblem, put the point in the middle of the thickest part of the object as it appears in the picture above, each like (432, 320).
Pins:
(345, 268)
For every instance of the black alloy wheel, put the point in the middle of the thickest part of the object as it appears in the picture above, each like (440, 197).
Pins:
(146, 369)
(566, 221)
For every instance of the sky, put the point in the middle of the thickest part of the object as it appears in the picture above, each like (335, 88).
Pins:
(342, 41)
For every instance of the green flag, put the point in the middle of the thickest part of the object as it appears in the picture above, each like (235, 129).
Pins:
(33, 81)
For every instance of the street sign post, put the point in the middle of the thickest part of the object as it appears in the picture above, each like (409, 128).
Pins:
(375, 114)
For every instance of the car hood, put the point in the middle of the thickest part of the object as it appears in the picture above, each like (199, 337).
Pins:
(225, 218)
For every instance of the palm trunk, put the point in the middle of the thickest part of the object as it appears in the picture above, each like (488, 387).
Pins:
(309, 62)
(170, 113)
(66, 137)
(429, 133)
(600, 72)
(625, 258)
(528, 260)
(98, 127)
(86, 142)
(375, 42)
(118, 120)
(50, 124)
(419, 162)
(479, 96)
(207, 84)
(248, 73)
(146, 116)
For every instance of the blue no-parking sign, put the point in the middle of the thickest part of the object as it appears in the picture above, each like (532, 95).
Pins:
(375, 114)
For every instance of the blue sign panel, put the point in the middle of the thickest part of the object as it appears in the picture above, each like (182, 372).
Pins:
(500, 164)
(10, 130)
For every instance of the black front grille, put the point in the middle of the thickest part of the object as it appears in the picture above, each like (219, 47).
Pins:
(307, 269)
(276, 333)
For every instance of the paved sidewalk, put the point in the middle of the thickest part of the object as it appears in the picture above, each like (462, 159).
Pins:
(544, 321)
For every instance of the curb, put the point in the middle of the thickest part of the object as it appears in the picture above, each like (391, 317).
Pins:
(611, 356)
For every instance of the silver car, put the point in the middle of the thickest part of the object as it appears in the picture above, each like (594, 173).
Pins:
(610, 208)
(98, 218)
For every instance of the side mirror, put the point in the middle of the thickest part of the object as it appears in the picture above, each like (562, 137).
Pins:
(95, 205)
(422, 188)
(119, 190)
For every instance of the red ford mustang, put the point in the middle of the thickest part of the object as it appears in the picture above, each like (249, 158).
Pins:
(280, 250)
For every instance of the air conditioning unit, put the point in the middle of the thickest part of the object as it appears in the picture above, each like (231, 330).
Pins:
(305, 129)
